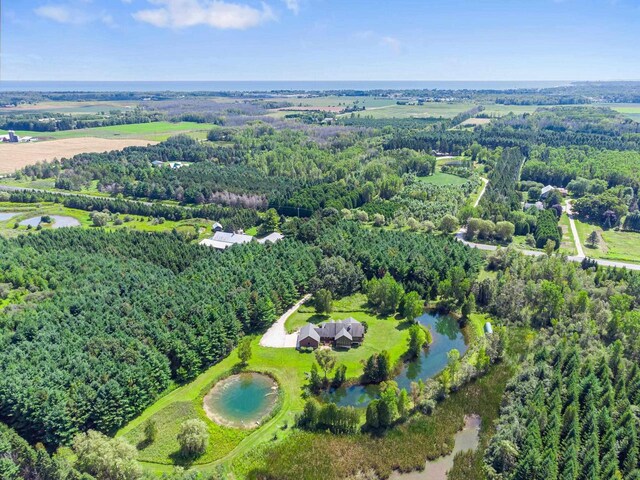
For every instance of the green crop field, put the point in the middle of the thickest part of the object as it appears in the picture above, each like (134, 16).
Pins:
(155, 131)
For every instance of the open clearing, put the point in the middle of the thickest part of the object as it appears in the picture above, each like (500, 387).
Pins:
(18, 155)
(154, 131)
(615, 244)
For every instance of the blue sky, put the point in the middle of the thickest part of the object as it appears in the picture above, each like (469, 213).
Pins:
(320, 40)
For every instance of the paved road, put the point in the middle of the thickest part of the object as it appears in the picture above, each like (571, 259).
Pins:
(277, 336)
(535, 253)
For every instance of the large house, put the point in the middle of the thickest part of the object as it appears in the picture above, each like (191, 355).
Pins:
(341, 334)
(223, 240)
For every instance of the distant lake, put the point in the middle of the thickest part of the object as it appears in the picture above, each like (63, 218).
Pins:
(268, 86)
(58, 221)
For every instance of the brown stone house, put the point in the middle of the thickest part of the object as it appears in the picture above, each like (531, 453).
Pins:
(341, 334)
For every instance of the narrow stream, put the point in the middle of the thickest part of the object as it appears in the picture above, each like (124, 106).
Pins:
(465, 439)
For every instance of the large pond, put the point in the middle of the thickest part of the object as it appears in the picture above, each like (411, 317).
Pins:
(58, 221)
(242, 400)
(446, 336)
(4, 216)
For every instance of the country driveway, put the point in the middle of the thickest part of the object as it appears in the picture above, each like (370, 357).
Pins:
(277, 336)
(574, 230)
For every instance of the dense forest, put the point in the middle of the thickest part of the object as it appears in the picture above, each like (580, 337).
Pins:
(107, 320)
(570, 413)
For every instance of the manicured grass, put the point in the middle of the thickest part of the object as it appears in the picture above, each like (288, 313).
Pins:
(342, 308)
(149, 131)
(440, 178)
(477, 321)
(615, 245)
(567, 244)
(288, 366)
(28, 210)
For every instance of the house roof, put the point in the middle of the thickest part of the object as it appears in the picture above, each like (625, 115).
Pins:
(331, 329)
(207, 242)
(232, 238)
(547, 189)
(309, 331)
(272, 237)
(343, 333)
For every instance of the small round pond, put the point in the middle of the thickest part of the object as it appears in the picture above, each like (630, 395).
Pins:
(57, 221)
(446, 336)
(241, 401)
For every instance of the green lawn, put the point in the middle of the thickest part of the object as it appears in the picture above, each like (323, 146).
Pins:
(306, 313)
(288, 366)
(440, 178)
(615, 245)
(156, 131)
(29, 210)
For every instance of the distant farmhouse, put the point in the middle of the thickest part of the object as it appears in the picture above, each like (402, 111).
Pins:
(11, 137)
(546, 191)
(341, 334)
(223, 240)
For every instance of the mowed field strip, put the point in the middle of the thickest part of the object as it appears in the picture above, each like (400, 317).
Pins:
(17, 155)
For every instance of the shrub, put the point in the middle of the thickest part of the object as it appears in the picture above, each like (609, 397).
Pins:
(193, 438)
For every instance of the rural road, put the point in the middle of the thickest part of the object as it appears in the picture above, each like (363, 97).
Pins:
(535, 253)
(277, 336)
(484, 188)
(574, 230)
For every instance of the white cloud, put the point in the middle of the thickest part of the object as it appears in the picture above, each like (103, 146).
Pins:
(72, 14)
(293, 5)
(392, 43)
(216, 14)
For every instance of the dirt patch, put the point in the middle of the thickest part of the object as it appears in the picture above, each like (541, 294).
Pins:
(476, 121)
(17, 155)
(312, 109)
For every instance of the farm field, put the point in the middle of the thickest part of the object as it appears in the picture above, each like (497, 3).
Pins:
(69, 107)
(614, 245)
(17, 155)
(24, 211)
(153, 131)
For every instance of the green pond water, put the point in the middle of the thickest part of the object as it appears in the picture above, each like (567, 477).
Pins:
(241, 400)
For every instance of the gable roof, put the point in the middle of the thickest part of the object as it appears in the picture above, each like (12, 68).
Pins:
(343, 333)
(309, 331)
(234, 238)
(547, 189)
(332, 329)
(273, 237)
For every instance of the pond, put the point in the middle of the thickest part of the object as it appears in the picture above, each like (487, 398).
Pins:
(446, 336)
(4, 216)
(465, 439)
(242, 400)
(58, 221)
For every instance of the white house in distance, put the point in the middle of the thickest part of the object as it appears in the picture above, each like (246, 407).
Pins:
(223, 240)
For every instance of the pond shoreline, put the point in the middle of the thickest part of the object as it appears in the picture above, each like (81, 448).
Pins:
(466, 439)
(217, 391)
